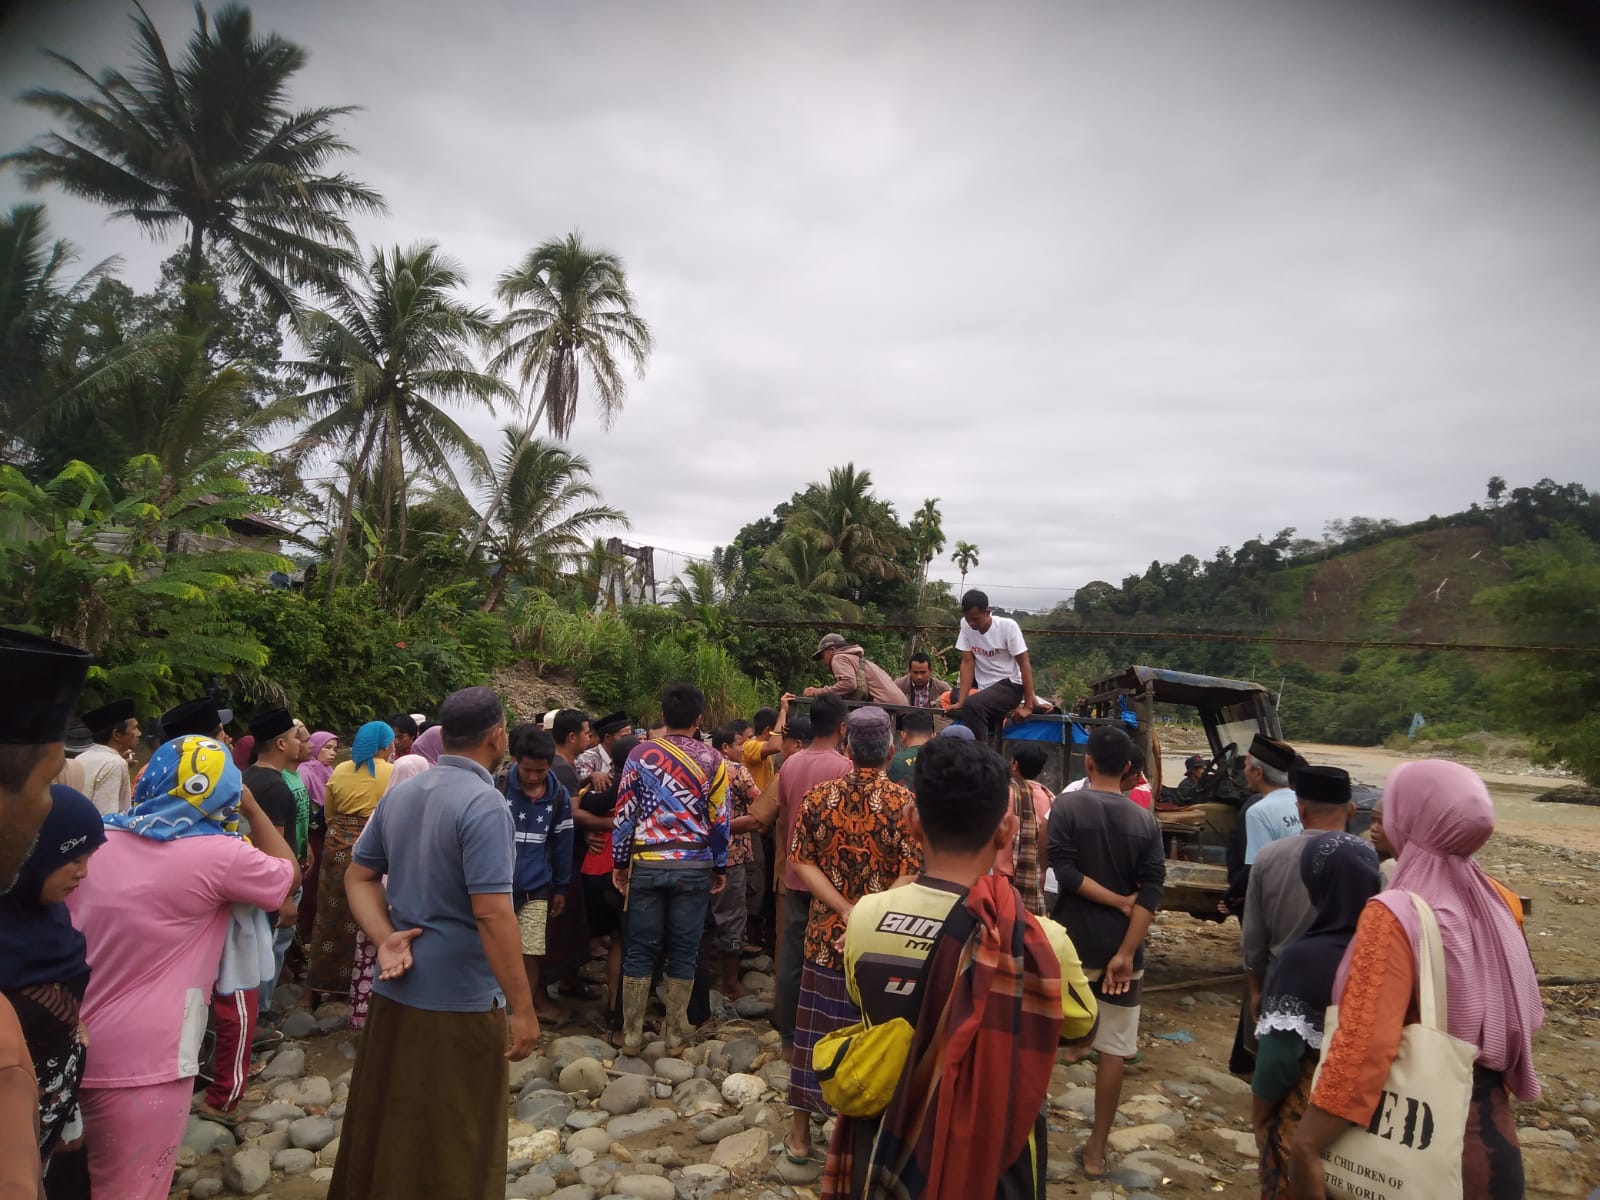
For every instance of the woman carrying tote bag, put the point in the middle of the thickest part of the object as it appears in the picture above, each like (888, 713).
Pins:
(1437, 814)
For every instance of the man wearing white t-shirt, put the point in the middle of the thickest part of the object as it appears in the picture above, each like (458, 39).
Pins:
(994, 661)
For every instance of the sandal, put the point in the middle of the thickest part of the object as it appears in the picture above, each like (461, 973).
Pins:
(1091, 1176)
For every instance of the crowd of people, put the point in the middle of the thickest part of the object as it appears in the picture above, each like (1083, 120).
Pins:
(946, 928)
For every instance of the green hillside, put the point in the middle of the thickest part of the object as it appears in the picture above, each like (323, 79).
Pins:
(1520, 571)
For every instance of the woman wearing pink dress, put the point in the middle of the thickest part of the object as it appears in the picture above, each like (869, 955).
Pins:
(155, 913)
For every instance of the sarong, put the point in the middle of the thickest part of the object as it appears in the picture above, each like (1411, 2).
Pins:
(333, 938)
(416, 1068)
(825, 1005)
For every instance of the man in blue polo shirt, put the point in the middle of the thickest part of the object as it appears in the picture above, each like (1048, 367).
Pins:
(427, 1109)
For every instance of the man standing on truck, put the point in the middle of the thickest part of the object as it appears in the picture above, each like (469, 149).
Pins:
(855, 677)
(1110, 869)
(994, 661)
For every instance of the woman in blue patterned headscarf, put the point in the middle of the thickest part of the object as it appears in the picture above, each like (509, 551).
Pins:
(352, 793)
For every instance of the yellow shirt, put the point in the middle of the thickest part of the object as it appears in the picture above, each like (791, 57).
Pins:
(353, 793)
(759, 765)
(890, 936)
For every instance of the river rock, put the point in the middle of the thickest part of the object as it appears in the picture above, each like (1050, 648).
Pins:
(287, 1063)
(745, 1151)
(311, 1092)
(293, 1161)
(756, 981)
(645, 1187)
(535, 1066)
(311, 1133)
(627, 1094)
(757, 962)
(1145, 1109)
(597, 1177)
(596, 1140)
(1135, 1177)
(329, 1154)
(739, 1090)
(1185, 1090)
(544, 1109)
(583, 1075)
(776, 1076)
(644, 1121)
(276, 1111)
(298, 1023)
(205, 1189)
(247, 1171)
(1221, 1081)
(753, 1008)
(1124, 1141)
(702, 1180)
(696, 1096)
(271, 1141)
(653, 1050)
(1236, 1141)
(576, 1191)
(322, 1175)
(584, 1118)
(539, 1147)
(1078, 1100)
(674, 1070)
(206, 1137)
(567, 1050)
(721, 1128)
(632, 1066)
(742, 1055)
(532, 1186)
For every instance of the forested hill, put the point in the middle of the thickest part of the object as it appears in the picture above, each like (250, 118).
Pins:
(1521, 569)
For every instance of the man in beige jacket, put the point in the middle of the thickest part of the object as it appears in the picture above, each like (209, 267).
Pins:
(855, 677)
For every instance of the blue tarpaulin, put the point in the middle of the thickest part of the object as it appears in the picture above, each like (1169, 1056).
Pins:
(1037, 730)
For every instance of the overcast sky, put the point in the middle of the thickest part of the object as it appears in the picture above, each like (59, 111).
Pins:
(1114, 281)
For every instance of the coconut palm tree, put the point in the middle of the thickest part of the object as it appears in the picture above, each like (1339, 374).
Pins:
(385, 357)
(571, 312)
(549, 512)
(965, 558)
(36, 301)
(844, 518)
(798, 560)
(210, 147)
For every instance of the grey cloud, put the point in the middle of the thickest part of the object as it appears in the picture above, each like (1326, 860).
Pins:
(1115, 282)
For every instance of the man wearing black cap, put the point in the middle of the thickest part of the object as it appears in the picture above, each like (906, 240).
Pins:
(288, 806)
(43, 680)
(201, 717)
(1277, 908)
(106, 779)
(450, 972)
(594, 764)
(1275, 815)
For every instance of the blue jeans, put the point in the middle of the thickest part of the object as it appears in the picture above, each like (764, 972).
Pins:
(282, 939)
(666, 905)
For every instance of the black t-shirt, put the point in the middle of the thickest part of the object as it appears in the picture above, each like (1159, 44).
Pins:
(564, 771)
(272, 793)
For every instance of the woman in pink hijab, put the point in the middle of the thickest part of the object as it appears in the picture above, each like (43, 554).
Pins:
(314, 774)
(407, 766)
(429, 744)
(1437, 815)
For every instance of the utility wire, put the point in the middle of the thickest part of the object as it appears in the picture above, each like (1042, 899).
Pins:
(1185, 636)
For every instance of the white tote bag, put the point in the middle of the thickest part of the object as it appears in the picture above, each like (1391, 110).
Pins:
(1411, 1149)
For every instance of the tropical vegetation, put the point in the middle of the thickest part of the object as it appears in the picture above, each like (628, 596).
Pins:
(259, 476)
